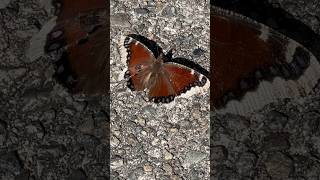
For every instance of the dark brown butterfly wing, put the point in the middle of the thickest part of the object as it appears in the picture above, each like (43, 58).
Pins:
(246, 53)
(82, 30)
(139, 60)
(175, 80)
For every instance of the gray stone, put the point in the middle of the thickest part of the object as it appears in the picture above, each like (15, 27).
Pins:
(278, 166)
(218, 154)
(169, 11)
(4, 3)
(77, 174)
(120, 20)
(193, 157)
(245, 164)
(141, 10)
(116, 162)
(10, 163)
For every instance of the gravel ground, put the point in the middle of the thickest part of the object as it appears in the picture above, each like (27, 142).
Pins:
(47, 133)
(151, 141)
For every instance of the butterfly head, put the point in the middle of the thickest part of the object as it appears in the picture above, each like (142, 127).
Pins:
(158, 63)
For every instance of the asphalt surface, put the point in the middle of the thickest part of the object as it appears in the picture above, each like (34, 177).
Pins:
(48, 133)
(150, 141)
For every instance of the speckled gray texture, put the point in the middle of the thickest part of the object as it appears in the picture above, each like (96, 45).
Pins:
(151, 141)
(45, 132)
(279, 141)
(307, 11)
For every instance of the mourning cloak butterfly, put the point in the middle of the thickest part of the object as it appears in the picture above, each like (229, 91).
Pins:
(252, 65)
(163, 76)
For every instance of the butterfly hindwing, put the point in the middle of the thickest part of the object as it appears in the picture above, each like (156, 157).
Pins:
(173, 81)
(183, 78)
(249, 56)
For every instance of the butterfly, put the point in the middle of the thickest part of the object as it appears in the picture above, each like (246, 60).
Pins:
(251, 64)
(163, 76)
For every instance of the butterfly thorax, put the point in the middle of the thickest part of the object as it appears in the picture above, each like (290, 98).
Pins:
(155, 71)
(157, 65)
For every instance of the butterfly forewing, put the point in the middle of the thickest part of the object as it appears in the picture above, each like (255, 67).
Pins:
(85, 45)
(139, 61)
